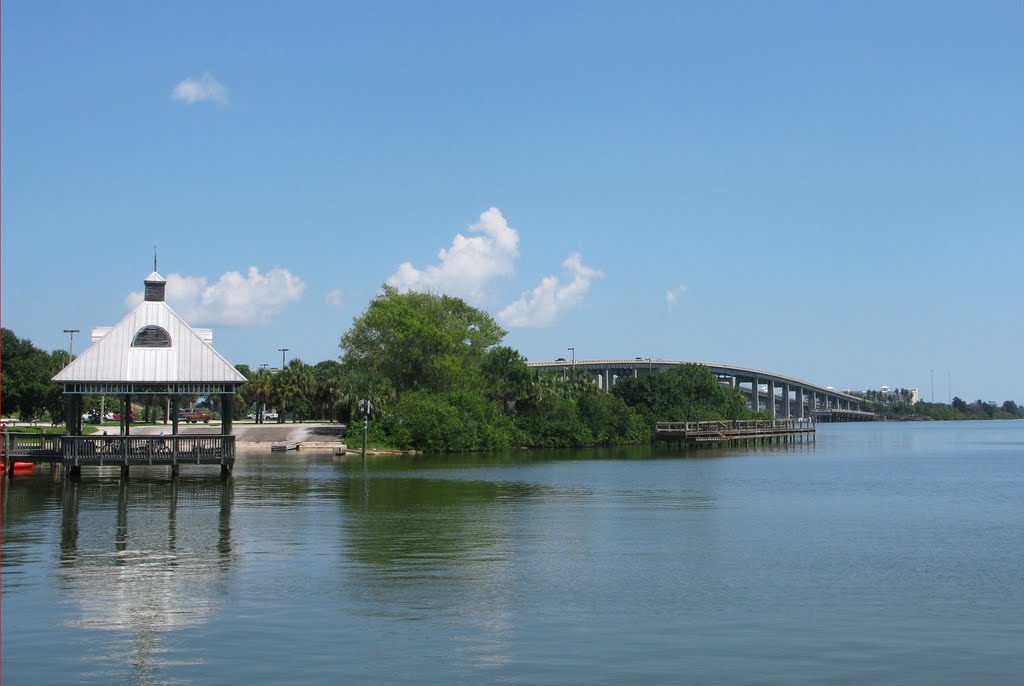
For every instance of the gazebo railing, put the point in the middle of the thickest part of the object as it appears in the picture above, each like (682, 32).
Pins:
(128, 450)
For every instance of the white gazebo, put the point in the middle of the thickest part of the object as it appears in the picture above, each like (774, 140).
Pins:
(152, 351)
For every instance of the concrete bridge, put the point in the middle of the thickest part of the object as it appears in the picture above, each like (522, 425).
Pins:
(783, 396)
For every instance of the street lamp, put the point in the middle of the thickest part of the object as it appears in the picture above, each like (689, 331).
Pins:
(282, 351)
(71, 342)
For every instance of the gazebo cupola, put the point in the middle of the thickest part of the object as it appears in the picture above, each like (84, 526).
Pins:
(155, 287)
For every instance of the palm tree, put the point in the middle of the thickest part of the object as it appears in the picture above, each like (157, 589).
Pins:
(258, 390)
(327, 389)
(299, 385)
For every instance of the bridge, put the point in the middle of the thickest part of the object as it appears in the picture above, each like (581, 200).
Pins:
(783, 396)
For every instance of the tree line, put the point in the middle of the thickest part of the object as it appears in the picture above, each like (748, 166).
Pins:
(897, 407)
(437, 378)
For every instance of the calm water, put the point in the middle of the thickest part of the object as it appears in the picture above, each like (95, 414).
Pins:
(880, 554)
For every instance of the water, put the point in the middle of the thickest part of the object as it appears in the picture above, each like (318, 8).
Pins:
(881, 553)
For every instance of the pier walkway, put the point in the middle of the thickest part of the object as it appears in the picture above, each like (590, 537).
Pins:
(739, 431)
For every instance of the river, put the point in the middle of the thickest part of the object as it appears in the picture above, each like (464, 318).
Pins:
(877, 554)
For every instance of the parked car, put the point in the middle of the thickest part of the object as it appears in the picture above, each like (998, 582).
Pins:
(196, 416)
(270, 415)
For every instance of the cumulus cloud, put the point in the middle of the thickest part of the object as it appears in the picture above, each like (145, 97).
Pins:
(672, 295)
(234, 300)
(335, 299)
(469, 264)
(191, 91)
(548, 302)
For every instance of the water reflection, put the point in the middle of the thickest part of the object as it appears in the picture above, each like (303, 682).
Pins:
(443, 545)
(440, 550)
(144, 560)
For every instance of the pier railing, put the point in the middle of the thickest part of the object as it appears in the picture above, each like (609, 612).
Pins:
(732, 430)
(122, 450)
(129, 450)
(30, 447)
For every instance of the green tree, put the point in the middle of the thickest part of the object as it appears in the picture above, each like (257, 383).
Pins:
(25, 383)
(328, 389)
(258, 390)
(689, 392)
(507, 377)
(420, 341)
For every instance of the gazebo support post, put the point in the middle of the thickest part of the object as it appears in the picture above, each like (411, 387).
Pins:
(126, 416)
(227, 414)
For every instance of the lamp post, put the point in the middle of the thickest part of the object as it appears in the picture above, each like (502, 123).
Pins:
(71, 342)
(282, 351)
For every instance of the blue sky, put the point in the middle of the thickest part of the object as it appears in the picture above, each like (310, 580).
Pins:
(831, 191)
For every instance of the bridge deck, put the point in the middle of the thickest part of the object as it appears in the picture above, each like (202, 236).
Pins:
(734, 431)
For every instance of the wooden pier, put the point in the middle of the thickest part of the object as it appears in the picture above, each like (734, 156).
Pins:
(737, 431)
(75, 452)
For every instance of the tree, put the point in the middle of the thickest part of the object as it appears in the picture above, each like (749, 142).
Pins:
(689, 392)
(420, 341)
(26, 383)
(257, 390)
(328, 388)
(294, 386)
(507, 377)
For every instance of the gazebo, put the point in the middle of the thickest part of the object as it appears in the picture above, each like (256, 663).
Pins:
(152, 351)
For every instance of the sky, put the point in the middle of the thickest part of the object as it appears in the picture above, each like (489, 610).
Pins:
(829, 191)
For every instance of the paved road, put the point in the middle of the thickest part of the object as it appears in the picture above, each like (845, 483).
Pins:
(251, 433)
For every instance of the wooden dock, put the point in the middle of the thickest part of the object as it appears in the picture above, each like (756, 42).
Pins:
(736, 431)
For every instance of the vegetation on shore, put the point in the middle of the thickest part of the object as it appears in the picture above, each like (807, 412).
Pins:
(897, 406)
(438, 379)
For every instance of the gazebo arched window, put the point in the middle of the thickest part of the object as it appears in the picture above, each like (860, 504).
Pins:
(152, 337)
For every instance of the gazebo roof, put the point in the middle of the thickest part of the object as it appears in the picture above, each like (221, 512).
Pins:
(151, 350)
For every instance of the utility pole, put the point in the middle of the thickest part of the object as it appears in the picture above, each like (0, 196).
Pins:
(573, 350)
(365, 405)
(71, 343)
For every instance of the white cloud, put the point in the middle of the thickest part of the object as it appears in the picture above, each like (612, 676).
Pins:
(672, 295)
(548, 302)
(191, 91)
(235, 300)
(335, 299)
(470, 264)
